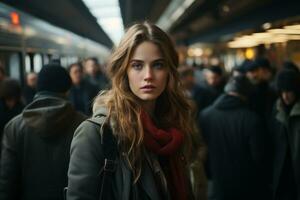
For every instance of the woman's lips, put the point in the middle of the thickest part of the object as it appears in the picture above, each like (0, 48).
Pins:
(148, 88)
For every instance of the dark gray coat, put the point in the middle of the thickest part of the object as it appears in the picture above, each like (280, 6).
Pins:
(288, 135)
(35, 150)
(236, 149)
(87, 160)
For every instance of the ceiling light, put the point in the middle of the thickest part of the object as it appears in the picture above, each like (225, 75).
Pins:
(108, 16)
(266, 25)
(226, 8)
(173, 12)
(284, 31)
(292, 27)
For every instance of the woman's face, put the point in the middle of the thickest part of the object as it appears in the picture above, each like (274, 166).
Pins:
(147, 72)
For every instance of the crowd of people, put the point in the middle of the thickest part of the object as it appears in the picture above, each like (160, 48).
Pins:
(249, 124)
(145, 128)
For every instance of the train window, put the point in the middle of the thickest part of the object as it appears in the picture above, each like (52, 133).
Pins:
(27, 64)
(14, 66)
(37, 62)
(64, 61)
(46, 59)
(73, 60)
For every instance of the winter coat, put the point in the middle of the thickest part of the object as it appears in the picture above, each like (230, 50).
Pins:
(35, 150)
(235, 139)
(7, 114)
(288, 136)
(87, 160)
(262, 100)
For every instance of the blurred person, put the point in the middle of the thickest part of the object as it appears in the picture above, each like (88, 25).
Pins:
(198, 94)
(10, 101)
(82, 92)
(263, 98)
(199, 74)
(285, 135)
(144, 119)
(240, 69)
(36, 143)
(94, 75)
(290, 65)
(215, 81)
(2, 73)
(236, 145)
(29, 89)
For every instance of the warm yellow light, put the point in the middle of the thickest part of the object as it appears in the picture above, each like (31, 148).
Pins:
(285, 31)
(190, 52)
(292, 27)
(249, 53)
(262, 35)
(198, 52)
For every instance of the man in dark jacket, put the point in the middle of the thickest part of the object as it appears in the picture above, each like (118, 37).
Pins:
(286, 140)
(263, 98)
(235, 140)
(35, 146)
(215, 82)
(10, 102)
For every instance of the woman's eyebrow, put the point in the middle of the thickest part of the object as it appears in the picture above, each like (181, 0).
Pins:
(156, 60)
(136, 60)
(159, 60)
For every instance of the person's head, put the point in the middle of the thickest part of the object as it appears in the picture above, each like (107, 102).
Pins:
(214, 76)
(76, 73)
(239, 70)
(290, 65)
(259, 71)
(31, 79)
(53, 78)
(288, 86)
(187, 78)
(143, 71)
(239, 86)
(91, 66)
(145, 57)
(10, 92)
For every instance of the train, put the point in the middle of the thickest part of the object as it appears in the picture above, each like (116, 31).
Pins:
(27, 43)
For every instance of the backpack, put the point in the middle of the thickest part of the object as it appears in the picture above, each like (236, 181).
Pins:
(110, 152)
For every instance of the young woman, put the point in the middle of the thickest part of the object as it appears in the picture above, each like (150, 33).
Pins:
(150, 120)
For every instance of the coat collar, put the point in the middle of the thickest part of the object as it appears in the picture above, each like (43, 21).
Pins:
(282, 116)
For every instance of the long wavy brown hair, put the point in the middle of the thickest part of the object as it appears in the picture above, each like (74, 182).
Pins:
(172, 107)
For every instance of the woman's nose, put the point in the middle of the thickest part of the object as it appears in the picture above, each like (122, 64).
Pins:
(148, 74)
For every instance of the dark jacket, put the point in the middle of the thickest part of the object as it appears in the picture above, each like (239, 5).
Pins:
(262, 100)
(7, 114)
(235, 140)
(35, 153)
(87, 160)
(287, 147)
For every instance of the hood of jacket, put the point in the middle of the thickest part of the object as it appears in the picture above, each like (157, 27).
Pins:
(49, 113)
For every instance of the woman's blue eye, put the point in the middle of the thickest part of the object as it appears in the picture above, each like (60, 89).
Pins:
(158, 65)
(136, 66)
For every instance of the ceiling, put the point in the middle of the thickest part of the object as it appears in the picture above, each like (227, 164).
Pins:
(203, 21)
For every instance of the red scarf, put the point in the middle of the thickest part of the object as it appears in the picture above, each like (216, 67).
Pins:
(167, 143)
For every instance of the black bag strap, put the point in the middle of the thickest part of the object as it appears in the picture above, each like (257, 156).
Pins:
(110, 152)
